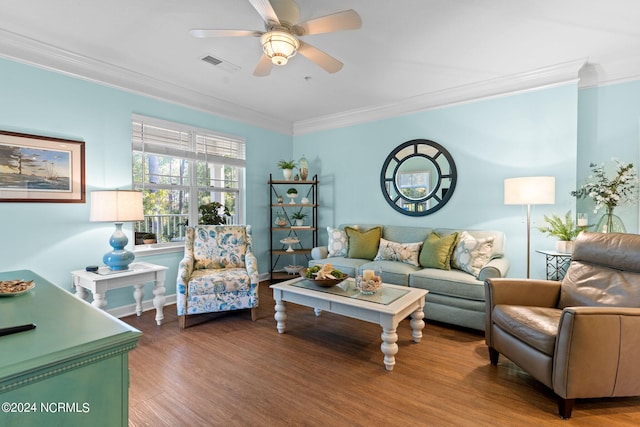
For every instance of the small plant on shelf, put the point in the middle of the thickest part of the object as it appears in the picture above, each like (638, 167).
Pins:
(299, 215)
(565, 229)
(287, 164)
(292, 191)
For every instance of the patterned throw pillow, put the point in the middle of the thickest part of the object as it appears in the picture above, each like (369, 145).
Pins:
(338, 242)
(472, 254)
(436, 251)
(402, 252)
(363, 244)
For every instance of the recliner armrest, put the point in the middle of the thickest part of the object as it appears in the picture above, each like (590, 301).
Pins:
(597, 352)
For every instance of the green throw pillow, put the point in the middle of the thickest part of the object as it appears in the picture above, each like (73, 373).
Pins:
(436, 251)
(363, 244)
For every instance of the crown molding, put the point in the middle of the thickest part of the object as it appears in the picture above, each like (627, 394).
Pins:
(559, 74)
(32, 52)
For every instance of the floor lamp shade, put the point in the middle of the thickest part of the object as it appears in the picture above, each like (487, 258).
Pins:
(531, 190)
(117, 206)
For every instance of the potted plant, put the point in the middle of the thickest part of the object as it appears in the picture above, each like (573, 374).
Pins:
(299, 217)
(148, 238)
(292, 193)
(213, 213)
(565, 229)
(287, 167)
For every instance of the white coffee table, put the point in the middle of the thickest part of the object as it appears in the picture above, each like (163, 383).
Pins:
(387, 308)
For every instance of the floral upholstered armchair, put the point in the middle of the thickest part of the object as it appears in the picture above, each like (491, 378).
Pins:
(219, 271)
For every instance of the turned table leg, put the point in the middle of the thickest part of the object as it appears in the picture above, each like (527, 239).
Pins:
(389, 347)
(417, 324)
(281, 316)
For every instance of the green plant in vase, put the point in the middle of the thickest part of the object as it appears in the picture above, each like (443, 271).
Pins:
(565, 229)
(299, 217)
(609, 193)
(287, 167)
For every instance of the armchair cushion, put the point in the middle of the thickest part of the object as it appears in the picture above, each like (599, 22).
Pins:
(219, 247)
(536, 326)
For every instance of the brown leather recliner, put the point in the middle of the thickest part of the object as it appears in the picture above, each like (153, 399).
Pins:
(580, 337)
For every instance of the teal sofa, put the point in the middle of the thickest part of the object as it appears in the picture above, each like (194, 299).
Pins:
(455, 296)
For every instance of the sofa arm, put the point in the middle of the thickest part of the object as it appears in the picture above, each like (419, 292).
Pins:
(597, 352)
(497, 267)
(319, 252)
(251, 264)
(185, 268)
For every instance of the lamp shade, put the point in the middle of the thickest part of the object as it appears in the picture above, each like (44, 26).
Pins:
(531, 190)
(116, 206)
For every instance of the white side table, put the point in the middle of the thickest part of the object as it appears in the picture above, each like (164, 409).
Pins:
(137, 275)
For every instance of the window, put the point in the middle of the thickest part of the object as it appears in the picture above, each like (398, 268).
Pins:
(178, 168)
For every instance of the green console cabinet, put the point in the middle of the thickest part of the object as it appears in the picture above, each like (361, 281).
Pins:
(72, 369)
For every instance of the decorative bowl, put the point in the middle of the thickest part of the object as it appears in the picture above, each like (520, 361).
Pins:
(325, 283)
(293, 269)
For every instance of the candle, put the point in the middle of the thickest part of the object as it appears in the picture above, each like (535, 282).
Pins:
(368, 275)
(582, 220)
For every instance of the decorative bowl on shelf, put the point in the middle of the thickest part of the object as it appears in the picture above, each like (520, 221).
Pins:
(293, 269)
(325, 283)
(289, 241)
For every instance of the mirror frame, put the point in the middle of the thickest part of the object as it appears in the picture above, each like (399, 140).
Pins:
(394, 162)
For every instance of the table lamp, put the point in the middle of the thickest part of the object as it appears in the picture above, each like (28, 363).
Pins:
(532, 190)
(117, 206)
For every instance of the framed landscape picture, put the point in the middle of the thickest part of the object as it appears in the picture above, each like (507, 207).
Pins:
(41, 169)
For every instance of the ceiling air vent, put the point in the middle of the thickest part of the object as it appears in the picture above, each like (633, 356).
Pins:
(221, 63)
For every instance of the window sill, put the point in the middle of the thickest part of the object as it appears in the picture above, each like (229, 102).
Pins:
(155, 249)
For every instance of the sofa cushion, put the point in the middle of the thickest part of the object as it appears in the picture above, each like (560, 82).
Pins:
(436, 251)
(401, 252)
(363, 244)
(453, 283)
(338, 242)
(536, 326)
(471, 254)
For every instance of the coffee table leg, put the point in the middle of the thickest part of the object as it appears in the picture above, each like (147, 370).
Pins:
(389, 347)
(417, 324)
(281, 315)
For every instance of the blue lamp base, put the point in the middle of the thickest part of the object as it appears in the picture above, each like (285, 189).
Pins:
(118, 258)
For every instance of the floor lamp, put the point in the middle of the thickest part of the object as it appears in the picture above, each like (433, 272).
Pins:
(531, 190)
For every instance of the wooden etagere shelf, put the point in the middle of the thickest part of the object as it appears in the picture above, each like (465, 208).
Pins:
(307, 235)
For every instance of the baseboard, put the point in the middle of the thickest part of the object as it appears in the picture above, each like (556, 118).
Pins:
(128, 310)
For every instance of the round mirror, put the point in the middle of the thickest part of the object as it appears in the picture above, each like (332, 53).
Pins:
(418, 177)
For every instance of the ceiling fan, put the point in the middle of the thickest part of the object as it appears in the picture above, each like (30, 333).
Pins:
(280, 40)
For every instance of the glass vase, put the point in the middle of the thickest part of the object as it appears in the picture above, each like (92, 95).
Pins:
(610, 223)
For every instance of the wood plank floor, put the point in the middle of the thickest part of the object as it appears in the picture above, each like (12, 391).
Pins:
(328, 371)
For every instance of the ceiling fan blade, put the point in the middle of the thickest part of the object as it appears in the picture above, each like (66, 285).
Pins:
(264, 8)
(322, 59)
(340, 21)
(264, 67)
(203, 33)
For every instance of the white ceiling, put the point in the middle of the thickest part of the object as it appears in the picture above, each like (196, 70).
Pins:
(406, 50)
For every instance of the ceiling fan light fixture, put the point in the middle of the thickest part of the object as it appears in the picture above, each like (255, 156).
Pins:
(279, 46)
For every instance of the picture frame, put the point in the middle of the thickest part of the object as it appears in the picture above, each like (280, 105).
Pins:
(41, 169)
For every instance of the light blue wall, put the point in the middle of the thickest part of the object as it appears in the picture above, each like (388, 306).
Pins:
(528, 134)
(555, 131)
(609, 127)
(53, 239)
